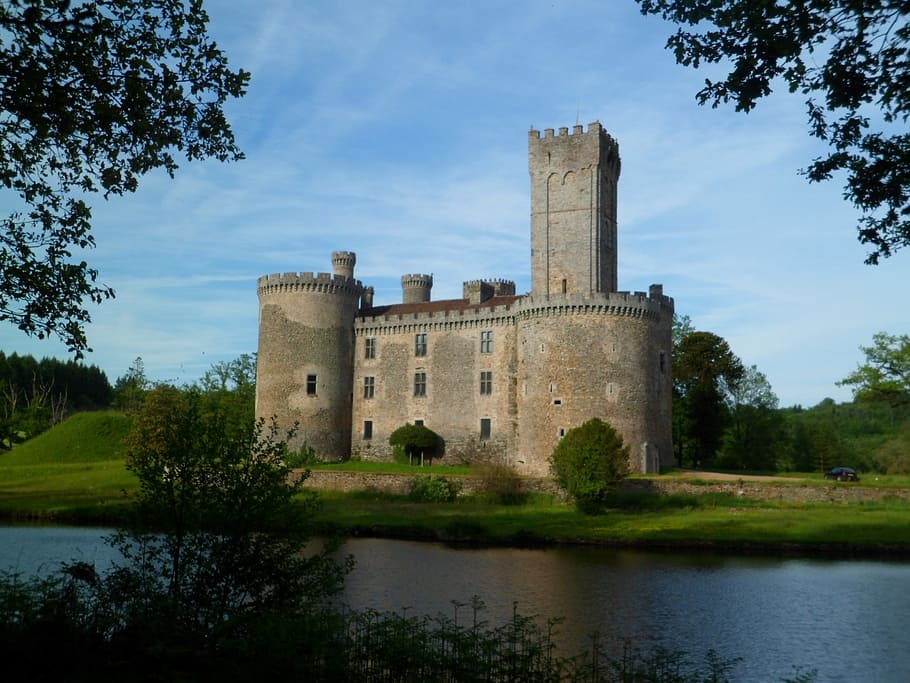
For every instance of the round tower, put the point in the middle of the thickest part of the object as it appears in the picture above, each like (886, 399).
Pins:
(415, 289)
(305, 372)
(343, 263)
(601, 355)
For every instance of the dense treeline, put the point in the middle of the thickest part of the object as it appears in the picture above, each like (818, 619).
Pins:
(726, 415)
(35, 395)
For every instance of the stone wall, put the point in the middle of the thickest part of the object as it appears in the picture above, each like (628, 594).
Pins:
(601, 355)
(453, 404)
(306, 329)
(573, 210)
(764, 491)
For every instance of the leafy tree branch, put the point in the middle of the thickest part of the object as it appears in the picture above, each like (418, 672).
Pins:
(92, 97)
(847, 58)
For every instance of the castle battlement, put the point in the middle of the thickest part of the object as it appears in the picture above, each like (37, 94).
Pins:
(594, 128)
(478, 291)
(460, 318)
(415, 288)
(297, 282)
(629, 304)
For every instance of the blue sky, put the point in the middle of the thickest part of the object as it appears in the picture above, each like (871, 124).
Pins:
(398, 130)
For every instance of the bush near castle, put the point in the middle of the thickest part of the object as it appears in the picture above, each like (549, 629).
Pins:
(589, 463)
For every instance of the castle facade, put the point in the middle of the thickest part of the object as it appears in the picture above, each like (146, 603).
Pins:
(495, 374)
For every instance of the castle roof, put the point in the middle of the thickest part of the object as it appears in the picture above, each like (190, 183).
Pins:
(436, 306)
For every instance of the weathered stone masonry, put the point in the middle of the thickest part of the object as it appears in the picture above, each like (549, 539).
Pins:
(494, 373)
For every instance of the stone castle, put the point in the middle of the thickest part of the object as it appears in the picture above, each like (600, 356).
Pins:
(495, 374)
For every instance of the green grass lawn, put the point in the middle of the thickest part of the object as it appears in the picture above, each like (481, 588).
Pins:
(673, 520)
(73, 472)
(76, 473)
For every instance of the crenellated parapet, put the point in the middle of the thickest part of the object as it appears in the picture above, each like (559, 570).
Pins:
(327, 283)
(415, 288)
(423, 321)
(595, 138)
(478, 291)
(343, 263)
(654, 305)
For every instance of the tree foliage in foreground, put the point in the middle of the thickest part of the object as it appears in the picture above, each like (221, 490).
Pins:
(221, 521)
(94, 644)
(589, 462)
(848, 58)
(94, 95)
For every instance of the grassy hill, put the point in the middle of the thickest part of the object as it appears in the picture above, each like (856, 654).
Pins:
(73, 472)
(83, 438)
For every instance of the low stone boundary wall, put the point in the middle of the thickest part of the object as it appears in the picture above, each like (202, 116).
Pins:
(401, 483)
(830, 492)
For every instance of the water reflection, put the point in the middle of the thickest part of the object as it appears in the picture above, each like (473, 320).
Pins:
(848, 619)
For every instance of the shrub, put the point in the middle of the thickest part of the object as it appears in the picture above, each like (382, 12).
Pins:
(589, 462)
(414, 440)
(433, 489)
(501, 483)
(305, 457)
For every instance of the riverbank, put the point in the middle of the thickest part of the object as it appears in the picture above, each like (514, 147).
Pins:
(688, 511)
(780, 516)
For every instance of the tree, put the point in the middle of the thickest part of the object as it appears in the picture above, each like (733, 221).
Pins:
(754, 437)
(848, 58)
(415, 440)
(234, 382)
(589, 462)
(130, 389)
(885, 376)
(705, 370)
(221, 521)
(93, 96)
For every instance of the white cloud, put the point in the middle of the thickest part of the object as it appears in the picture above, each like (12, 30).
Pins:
(399, 132)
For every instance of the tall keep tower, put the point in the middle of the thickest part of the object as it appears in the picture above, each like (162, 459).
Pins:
(573, 210)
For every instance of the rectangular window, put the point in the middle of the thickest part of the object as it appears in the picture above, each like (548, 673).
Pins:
(369, 386)
(420, 384)
(370, 348)
(486, 382)
(367, 429)
(486, 341)
(420, 344)
(418, 423)
(485, 428)
(311, 385)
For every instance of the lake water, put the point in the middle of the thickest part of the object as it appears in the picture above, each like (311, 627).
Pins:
(850, 620)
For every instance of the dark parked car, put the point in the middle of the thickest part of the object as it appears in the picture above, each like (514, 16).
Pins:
(842, 474)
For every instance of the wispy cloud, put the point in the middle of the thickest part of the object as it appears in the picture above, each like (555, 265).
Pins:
(399, 131)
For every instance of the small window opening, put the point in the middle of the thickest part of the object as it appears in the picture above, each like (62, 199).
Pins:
(420, 384)
(311, 385)
(367, 430)
(485, 428)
